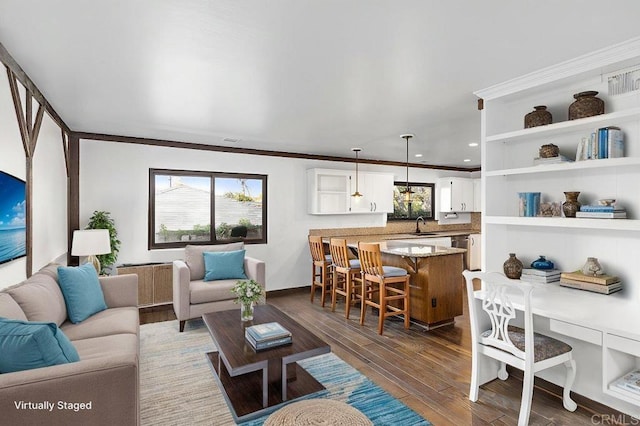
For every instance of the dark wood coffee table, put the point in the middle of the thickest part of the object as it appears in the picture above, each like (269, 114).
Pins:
(256, 383)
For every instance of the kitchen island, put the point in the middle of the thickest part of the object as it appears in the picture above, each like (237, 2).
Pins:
(436, 278)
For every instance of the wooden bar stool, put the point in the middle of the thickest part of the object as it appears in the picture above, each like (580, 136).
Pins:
(346, 275)
(384, 281)
(320, 268)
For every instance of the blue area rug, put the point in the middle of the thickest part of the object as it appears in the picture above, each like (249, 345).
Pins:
(344, 383)
(177, 386)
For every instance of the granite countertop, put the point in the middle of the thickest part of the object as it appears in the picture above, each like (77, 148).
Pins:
(402, 236)
(426, 234)
(409, 249)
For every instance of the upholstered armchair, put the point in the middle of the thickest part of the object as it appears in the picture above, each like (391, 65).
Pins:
(193, 296)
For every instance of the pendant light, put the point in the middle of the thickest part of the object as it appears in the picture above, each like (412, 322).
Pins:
(356, 194)
(407, 191)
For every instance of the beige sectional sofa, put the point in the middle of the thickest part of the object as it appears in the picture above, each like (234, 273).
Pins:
(106, 379)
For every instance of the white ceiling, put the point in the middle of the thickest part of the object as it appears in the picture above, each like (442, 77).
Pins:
(307, 76)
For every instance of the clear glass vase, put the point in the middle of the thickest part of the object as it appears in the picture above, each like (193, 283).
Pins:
(246, 311)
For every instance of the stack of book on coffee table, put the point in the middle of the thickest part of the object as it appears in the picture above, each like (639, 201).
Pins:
(540, 275)
(266, 336)
(605, 284)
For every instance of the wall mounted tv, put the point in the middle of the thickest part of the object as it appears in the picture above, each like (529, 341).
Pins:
(13, 232)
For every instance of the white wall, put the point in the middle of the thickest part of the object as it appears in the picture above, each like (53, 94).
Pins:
(115, 177)
(11, 161)
(49, 196)
(49, 186)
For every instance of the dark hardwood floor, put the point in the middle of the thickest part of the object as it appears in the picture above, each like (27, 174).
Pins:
(428, 370)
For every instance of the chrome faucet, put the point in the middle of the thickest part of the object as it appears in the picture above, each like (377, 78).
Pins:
(420, 218)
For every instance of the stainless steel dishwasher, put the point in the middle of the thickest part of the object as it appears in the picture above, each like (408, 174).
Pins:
(462, 241)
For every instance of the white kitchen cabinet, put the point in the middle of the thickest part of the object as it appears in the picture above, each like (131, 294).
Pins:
(456, 194)
(475, 252)
(477, 195)
(376, 190)
(508, 151)
(328, 191)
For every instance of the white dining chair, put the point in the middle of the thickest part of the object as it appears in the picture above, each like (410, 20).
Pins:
(494, 337)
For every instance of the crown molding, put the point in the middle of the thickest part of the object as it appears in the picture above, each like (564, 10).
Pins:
(591, 63)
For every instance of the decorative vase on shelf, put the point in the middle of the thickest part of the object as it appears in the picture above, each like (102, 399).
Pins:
(542, 263)
(512, 267)
(539, 117)
(246, 311)
(592, 267)
(549, 150)
(571, 205)
(586, 105)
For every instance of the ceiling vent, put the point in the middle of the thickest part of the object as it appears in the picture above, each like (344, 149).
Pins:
(232, 140)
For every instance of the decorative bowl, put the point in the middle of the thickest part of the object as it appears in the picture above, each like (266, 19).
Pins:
(606, 201)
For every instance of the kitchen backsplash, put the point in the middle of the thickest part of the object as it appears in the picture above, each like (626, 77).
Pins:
(401, 227)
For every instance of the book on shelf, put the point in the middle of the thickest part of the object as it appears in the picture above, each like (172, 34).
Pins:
(596, 279)
(629, 382)
(540, 276)
(551, 160)
(267, 331)
(267, 344)
(570, 281)
(599, 208)
(603, 215)
(540, 279)
(595, 288)
(605, 142)
(540, 272)
(615, 143)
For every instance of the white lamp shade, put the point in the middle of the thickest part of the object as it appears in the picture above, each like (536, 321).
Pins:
(90, 241)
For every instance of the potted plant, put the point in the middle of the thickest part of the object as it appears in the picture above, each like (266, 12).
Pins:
(103, 220)
(249, 292)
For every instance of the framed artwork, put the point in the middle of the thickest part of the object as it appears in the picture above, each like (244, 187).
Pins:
(13, 232)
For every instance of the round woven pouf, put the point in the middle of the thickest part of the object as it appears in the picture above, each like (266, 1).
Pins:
(317, 412)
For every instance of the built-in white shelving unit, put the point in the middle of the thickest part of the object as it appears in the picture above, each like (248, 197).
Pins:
(563, 222)
(555, 129)
(508, 151)
(568, 166)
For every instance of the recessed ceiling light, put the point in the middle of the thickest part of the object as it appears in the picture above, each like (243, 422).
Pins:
(233, 140)
(418, 155)
(466, 160)
(473, 144)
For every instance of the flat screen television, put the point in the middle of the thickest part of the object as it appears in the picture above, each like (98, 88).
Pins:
(13, 231)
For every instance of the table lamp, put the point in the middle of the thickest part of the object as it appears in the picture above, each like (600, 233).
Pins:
(89, 243)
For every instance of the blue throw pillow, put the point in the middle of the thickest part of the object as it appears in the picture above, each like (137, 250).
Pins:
(224, 265)
(26, 345)
(81, 290)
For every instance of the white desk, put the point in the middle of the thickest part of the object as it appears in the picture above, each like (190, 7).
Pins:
(604, 331)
